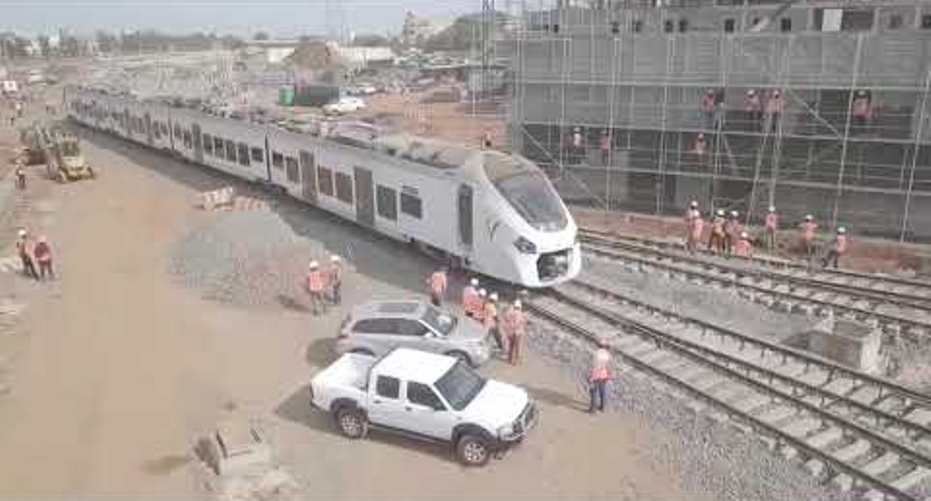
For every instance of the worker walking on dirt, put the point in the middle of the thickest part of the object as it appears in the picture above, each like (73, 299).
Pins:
(25, 251)
(599, 376)
(838, 248)
(43, 255)
(490, 319)
(437, 283)
(772, 224)
(316, 285)
(716, 240)
(336, 278)
(515, 325)
(470, 300)
(20, 178)
(809, 228)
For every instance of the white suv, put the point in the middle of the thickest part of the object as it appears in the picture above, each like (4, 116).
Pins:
(344, 105)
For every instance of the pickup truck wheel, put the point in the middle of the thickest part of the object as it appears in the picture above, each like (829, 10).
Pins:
(461, 356)
(351, 423)
(473, 450)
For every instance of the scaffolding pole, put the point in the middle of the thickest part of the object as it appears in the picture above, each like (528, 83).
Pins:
(846, 141)
(611, 97)
(919, 130)
(661, 181)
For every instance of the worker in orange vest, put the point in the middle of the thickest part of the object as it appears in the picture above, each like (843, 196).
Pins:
(599, 376)
(700, 146)
(479, 312)
(809, 228)
(862, 109)
(716, 240)
(732, 231)
(744, 248)
(43, 254)
(754, 109)
(335, 277)
(693, 227)
(774, 108)
(24, 248)
(708, 108)
(605, 146)
(515, 325)
(838, 249)
(470, 298)
(316, 285)
(772, 224)
(490, 319)
(437, 283)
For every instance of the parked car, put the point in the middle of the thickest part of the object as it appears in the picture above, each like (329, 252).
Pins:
(375, 328)
(426, 396)
(344, 105)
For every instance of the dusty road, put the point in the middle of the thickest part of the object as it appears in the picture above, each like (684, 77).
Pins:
(120, 368)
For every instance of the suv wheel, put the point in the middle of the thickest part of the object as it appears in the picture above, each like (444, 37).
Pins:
(461, 356)
(351, 423)
(473, 450)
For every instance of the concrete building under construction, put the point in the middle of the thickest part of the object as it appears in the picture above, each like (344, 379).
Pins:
(810, 106)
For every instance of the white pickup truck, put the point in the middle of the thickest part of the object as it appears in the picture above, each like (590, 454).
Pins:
(425, 396)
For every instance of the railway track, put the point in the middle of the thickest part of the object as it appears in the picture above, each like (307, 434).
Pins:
(894, 310)
(867, 432)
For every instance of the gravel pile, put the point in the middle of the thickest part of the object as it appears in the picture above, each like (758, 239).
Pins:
(712, 457)
(717, 306)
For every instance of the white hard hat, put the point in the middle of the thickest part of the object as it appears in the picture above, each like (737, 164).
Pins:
(743, 234)
(493, 296)
(772, 209)
(474, 282)
(751, 92)
(694, 203)
(314, 264)
(518, 304)
(808, 217)
(734, 213)
(334, 258)
(22, 233)
(482, 292)
(701, 135)
(775, 92)
(720, 212)
(861, 92)
(842, 230)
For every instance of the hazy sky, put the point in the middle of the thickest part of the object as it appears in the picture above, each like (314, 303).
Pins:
(288, 17)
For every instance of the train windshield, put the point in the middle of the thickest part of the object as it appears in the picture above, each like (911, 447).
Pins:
(527, 190)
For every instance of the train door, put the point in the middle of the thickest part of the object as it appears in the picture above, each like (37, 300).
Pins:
(309, 177)
(465, 216)
(365, 208)
(127, 124)
(198, 143)
(148, 128)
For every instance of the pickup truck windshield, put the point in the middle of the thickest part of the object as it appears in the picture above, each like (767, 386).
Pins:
(439, 321)
(460, 385)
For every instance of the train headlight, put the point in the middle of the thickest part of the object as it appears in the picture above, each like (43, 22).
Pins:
(525, 246)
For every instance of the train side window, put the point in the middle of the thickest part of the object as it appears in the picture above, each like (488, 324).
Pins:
(177, 131)
(208, 144)
(291, 170)
(668, 26)
(926, 21)
(895, 21)
(325, 181)
(683, 25)
(156, 131)
(785, 24)
(188, 140)
(411, 205)
(387, 201)
(218, 146)
(344, 187)
(230, 151)
(729, 25)
(277, 160)
(258, 155)
(243, 150)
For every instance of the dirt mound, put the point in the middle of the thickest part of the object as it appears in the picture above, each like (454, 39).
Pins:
(315, 56)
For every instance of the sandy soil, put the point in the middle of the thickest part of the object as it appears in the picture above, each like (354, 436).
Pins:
(117, 370)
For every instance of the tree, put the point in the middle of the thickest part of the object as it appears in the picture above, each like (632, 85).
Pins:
(371, 40)
(260, 36)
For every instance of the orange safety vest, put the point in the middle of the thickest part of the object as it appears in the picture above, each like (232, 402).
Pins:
(717, 226)
(514, 322)
(752, 103)
(861, 107)
(840, 244)
(470, 300)
(808, 231)
(698, 225)
(742, 249)
(600, 363)
(490, 315)
(479, 311)
(772, 221)
(438, 282)
(775, 104)
(316, 281)
(707, 103)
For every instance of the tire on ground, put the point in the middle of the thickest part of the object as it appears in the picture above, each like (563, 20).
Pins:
(351, 423)
(473, 450)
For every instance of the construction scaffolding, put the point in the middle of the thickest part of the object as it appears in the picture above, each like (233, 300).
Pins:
(616, 114)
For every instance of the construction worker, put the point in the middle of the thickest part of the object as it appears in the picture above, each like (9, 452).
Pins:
(490, 319)
(605, 146)
(733, 229)
(772, 224)
(578, 145)
(335, 277)
(838, 249)
(43, 255)
(700, 147)
(19, 109)
(754, 109)
(862, 109)
(479, 312)
(515, 325)
(809, 228)
(470, 299)
(486, 140)
(716, 240)
(25, 251)
(20, 177)
(708, 108)
(698, 226)
(690, 214)
(437, 283)
(316, 285)
(744, 248)
(599, 376)
(775, 105)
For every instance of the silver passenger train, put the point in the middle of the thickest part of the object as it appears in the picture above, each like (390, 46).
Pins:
(487, 211)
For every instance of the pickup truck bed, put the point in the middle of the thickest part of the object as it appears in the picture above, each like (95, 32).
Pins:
(347, 377)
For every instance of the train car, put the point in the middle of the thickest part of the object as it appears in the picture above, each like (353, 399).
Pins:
(485, 210)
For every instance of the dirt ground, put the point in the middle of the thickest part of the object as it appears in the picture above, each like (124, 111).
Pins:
(865, 254)
(114, 370)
